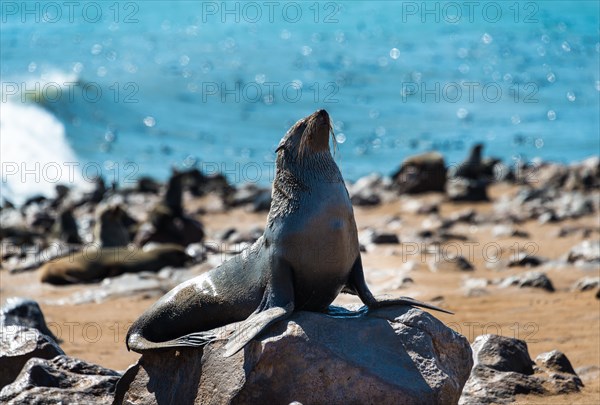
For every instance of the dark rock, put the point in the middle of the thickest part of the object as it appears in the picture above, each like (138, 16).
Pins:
(517, 233)
(20, 344)
(587, 251)
(548, 217)
(225, 234)
(250, 194)
(262, 202)
(523, 259)
(7, 204)
(586, 284)
(42, 220)
(458, 263)
(26, 313)
(366, 191)
(245, 194)
(556, 192)
(462, 189)
(426, 233)
(447, 236)
(420, 174)
(419, 206)
(585, 231)
(147, 184)
(35, 200)
(379, 238)
(197, 252)
(499, 170)
(61, 380)
(385, 238)
(582, 176)
(467, 216)
(392, 355)
(246, 237)
(503, 231)
(533, 279)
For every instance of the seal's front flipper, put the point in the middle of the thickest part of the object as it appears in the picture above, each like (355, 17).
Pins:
(252, 326)
(277, 304)
(356, 285)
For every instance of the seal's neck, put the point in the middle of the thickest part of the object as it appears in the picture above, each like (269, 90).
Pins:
(296, 176)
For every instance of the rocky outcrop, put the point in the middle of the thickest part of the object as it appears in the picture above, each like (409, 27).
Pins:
(368, 190)
(372, 236)
(587, 251)
(398, 355)
(24, 312)
(61, 380)
(455, 263)
(534, 279)
(502, 369)
(586, 284)
(19, 344)
(35, 370)
(420, 174)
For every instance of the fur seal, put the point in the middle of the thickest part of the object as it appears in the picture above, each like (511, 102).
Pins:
(168, 222)
(110, 229)
(308, 254)
(66, 227)
(472, 167)
(96, 263)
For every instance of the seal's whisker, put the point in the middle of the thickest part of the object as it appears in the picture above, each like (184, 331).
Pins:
(333, 139)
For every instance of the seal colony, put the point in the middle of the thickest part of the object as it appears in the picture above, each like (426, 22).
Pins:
(308, 254)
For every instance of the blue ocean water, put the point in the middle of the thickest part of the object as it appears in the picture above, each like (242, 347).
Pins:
(129, 88)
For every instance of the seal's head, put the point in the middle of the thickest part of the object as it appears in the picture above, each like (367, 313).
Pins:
(304, 163)
(307, 136)
(476, 151)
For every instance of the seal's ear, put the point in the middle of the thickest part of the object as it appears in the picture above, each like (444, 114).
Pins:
(281, 145)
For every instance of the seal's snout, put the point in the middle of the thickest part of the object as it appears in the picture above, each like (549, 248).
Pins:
(322, 118)
(320, 125)
(323, 114)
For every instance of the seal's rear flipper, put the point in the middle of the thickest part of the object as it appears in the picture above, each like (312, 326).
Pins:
(139, 344)
(406, 301)
(357, 285)
(255, 324)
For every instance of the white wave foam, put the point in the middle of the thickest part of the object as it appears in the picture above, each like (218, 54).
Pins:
(35, 154)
